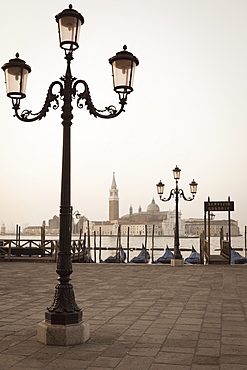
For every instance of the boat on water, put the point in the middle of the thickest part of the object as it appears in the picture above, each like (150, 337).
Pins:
(118, 258)
(85, 256)
(237, 259)
(143, 256)
(87, 259)
(194, 257)
(166, 258)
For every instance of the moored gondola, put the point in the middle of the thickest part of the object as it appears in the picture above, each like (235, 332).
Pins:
(119, 257)
(166, 258)
(143, 256)
(194, 257)
(237, 259)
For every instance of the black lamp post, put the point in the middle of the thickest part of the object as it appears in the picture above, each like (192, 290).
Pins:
(64, 310)
(176, 193)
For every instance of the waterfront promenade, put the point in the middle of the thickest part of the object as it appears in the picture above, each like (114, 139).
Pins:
(141, 317)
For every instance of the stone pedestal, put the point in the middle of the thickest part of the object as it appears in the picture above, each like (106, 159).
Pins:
(63, 335)
(176, 262)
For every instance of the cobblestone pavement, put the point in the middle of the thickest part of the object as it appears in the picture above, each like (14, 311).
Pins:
(141, 317)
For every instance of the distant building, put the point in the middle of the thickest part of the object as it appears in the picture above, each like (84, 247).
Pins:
(162, 223)
(3, 229)
(137, 223)
(195, 226)
(54, 223)
(32, 230)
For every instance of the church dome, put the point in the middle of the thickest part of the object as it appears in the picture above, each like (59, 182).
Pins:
(153, 207)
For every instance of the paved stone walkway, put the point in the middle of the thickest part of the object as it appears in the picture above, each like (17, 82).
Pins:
(142, 317)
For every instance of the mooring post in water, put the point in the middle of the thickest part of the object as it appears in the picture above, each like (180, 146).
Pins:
(245, 238)
(94, 246)
(43, 235)
(153, 244)
(18, 236)
(84, 247)
(80, 247)
(119, 245)
(99, 245)
(88, 242)
(128, 245)
(146, 236)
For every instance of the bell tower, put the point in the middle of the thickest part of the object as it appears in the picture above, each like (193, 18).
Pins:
(113, 201)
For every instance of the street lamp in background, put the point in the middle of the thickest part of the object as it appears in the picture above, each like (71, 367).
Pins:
(63, 323)
(177, 193)
(75, 217)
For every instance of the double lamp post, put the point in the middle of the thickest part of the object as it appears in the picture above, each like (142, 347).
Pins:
(64, 313)
(176, 193)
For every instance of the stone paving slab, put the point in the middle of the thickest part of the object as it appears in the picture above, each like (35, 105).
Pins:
(141, 317)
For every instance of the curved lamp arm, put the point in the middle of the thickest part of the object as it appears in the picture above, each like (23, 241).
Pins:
(181, 194)
(28, 116)
(171, 195)
(111, 111)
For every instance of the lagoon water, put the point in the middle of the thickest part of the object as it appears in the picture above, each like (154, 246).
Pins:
(136, 242)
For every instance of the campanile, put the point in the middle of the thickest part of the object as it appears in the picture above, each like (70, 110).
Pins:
(113, 201)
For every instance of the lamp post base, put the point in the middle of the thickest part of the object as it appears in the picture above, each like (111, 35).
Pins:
(63, 335)
(177, 262)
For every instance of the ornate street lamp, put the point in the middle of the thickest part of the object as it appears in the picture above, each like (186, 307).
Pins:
(75, 219)
(16, 72)
(176, 193)
(64, 311)
(77, 215)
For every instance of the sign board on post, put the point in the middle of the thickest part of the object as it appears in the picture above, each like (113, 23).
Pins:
(218, 206)
(215, 206)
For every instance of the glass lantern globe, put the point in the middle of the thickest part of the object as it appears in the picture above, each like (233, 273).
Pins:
(16, 73)
(69, 25)
(193, 187)
(176, 173)
(123, 70)
(160, 188)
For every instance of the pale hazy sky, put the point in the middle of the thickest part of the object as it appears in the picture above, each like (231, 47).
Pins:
(188, 108)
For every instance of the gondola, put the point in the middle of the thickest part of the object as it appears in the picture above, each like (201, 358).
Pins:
(86, 256)
(194, 258)
(143, 256)
(166, 258)
(118, 258)
(237, 259)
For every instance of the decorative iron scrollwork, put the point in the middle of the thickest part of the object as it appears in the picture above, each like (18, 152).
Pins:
(85, 95)
(28, 116)
(64, 300)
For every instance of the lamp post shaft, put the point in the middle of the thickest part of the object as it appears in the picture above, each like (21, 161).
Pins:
(65, 206)
(177, 253)
(64, 309)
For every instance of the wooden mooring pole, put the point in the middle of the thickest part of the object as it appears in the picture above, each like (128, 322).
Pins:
(18, 235)
(146, 237)
(99, 244)
(128, 245)
(88, 243)
(153, 244)
(245, 239)
(94, 245)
